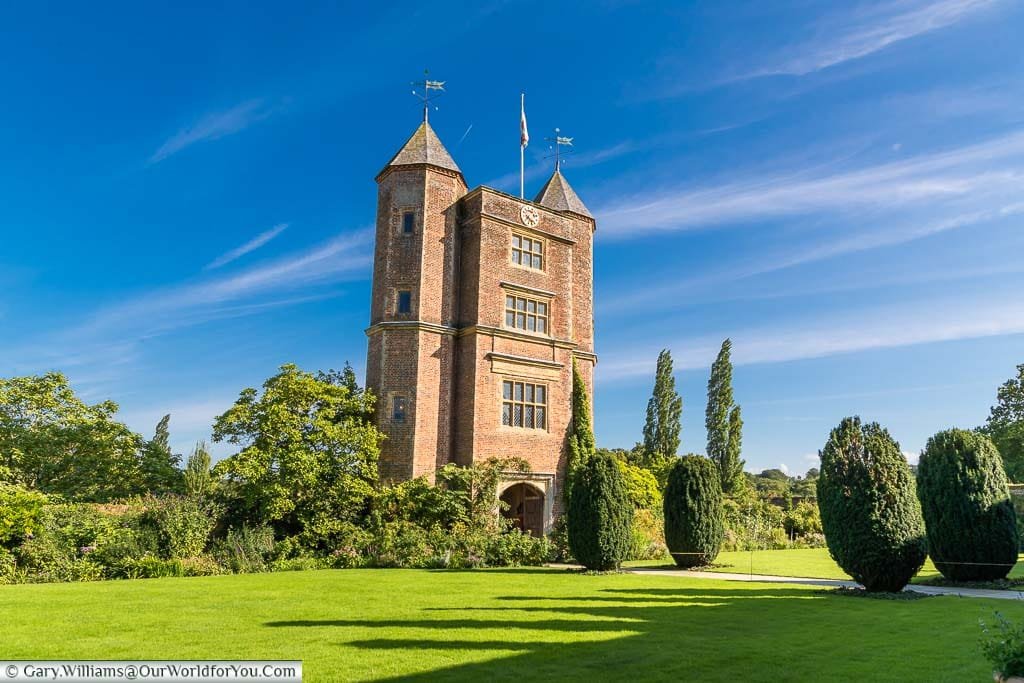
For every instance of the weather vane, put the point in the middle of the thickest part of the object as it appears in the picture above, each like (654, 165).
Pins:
(425, 95)
(559, 141)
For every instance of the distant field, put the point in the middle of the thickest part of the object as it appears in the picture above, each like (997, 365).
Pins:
(810, 562)
(512, 625)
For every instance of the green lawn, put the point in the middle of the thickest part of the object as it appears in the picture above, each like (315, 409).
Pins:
(529, 624)
(810, 562)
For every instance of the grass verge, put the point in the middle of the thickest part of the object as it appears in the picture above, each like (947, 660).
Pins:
(511, 624)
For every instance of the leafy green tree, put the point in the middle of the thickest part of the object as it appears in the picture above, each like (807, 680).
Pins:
(19, 513)
(805, 486)
(53, 441)
(664, 411)
(642, 486)
(198, 479)
(694, 523)
(600, 515)
(723, 422)
(160, 467)
(308, 458)
(968, 514)
(803, 519)
(1005, 425)
(869, 513)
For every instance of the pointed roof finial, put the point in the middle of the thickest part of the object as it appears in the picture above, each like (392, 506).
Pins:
(424, 95)
(557, 194)
(423, 147)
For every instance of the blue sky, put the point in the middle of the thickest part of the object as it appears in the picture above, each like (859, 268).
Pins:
(186, 194)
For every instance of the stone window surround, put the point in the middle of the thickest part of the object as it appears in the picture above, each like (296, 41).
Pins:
(396, 301)
(400, 213)
(542, 481)
(538, 295)
(542, 253)
(387, 402)
(540, 316)
(399, 407)
(545, 406)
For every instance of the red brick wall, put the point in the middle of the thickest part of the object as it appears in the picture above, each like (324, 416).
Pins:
(491, 219)
(455, 265)
(414, 361)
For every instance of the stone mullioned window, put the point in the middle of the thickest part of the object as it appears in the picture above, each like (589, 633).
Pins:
(527, 251)
(523, 313)
(524, 404)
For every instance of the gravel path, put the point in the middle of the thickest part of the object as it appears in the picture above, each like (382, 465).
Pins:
(767, 578)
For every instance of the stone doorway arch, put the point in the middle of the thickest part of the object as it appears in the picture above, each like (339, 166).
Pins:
(525, 508)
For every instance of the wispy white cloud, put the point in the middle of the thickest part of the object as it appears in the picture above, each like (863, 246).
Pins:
(341, 257)
(843, 37)
(849, 395)
(857, 241)
(105, 345)
(252, 245)
(862, 331)
(981, 170)
(215, 126)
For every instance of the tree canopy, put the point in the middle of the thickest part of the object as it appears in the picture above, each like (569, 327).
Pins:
(1005, 425)
(160, 467)
(309, 450)
(53, 441)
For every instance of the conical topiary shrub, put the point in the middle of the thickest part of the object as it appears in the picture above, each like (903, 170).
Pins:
(968, 514)
(694, 525)
(869, 511)
(600, 514)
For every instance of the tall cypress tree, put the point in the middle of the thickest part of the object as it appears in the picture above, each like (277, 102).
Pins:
(581, 438)
(158, 465)
(723, 422)
(735, 447)
(197, 477)
(664, 410)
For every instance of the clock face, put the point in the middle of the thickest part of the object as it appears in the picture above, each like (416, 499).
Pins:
(529, 215)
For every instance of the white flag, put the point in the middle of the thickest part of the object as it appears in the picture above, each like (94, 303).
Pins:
(524, 135)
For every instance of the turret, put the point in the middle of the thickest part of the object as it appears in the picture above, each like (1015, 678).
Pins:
(413, 304)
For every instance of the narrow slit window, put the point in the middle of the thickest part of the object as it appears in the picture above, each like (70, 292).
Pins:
(404, 301)
(398, 409)
(408, 222)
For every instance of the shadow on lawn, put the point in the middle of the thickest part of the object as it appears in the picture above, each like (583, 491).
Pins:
(696, 633)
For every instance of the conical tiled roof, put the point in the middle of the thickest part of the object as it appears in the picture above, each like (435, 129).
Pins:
(424, 147)
(558, 195)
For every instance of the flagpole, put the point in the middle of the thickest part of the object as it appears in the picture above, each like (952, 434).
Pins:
(522, 151)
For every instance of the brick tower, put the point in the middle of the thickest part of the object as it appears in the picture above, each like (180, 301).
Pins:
(481, 302)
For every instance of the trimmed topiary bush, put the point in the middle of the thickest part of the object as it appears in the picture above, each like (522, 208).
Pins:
(869, 512)
(694, 524)
(967, 509)
(600, 514)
